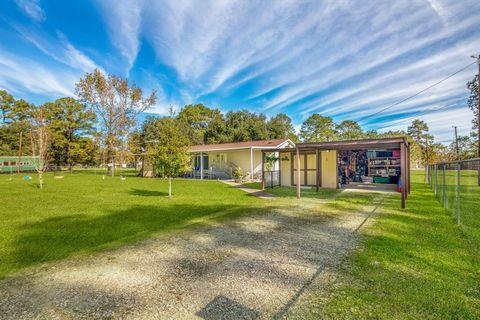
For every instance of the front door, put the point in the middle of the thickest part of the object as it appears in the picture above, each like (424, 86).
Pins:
(198, 162)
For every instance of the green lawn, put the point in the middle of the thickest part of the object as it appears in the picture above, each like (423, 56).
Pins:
(83, 213)
(415, 264)
(292, 191)
(468, 205)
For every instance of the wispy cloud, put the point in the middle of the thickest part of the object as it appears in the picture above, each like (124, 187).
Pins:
(32, 9)
(346, 59)
(124, 25)
(59, 49)
(23, 76)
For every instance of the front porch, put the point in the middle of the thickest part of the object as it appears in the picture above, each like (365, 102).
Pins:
(223, 165)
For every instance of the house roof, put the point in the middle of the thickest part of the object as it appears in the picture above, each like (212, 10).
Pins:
(260, 144)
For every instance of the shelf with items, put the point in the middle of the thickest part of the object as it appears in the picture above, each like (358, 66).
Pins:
(383, 166)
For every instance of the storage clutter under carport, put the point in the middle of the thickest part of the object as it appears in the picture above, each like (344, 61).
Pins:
(369, 166)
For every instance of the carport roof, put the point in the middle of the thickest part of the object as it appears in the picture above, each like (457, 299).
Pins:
(365, 144)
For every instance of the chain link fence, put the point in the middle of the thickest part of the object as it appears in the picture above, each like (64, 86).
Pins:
(457, 186)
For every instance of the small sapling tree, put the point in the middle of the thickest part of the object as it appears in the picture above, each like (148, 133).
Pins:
(39, 137)
(169, 154)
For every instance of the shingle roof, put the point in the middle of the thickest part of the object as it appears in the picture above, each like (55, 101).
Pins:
(238, 145)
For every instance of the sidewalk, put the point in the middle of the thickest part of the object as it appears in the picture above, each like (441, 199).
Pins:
(255, 192)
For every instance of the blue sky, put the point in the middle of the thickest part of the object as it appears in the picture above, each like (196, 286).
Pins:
(345, 59)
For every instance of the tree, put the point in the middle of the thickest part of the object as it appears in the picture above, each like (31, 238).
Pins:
(244, 125)
(10, 138)
(418, 131)
(6, 104)
(216, 131)
(21, 110)
(16, 115)
(371, 134)
(84, 150)
(318, 128)
(349, 130)
(473, 104)
(440, 153)
(117, 104)
(69, 122)
(39, 137)
(194, 121)
(280, 127)
(466, 147)
(169, 154)
(134, 143)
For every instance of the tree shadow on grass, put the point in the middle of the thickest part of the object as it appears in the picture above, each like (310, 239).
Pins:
(147, 193)
(61, 237)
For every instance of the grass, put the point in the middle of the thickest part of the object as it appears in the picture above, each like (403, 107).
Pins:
(86, 212)
(468, 206)
(83, 213)
(415, 264)
(291, 191)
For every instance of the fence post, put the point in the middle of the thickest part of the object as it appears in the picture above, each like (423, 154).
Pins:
(459, 168)
(444, 194)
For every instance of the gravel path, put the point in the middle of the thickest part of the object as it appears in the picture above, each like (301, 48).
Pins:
(255, 267)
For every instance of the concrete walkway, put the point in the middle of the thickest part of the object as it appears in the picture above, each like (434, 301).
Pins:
(255, 192)
(370, 187)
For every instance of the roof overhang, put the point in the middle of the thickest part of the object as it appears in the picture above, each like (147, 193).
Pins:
(234, 149)
(366, 144)
(285, 144)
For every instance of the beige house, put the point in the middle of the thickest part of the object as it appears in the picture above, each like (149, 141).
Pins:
(370, 164)
(218, 161)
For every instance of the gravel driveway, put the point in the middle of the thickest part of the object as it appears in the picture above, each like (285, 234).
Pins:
(255, 267)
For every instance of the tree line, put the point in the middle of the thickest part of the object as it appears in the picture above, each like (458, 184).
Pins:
(101, 123)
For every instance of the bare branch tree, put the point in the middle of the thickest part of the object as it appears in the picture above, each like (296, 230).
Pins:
(39, 137)
(117, 104)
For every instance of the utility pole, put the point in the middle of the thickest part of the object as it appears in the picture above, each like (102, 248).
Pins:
(426, 157)
(478, 113)
(456, 143)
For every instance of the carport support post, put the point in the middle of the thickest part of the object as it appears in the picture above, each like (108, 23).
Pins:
(251, 163)
(403, 173)
(408, 169)
(298, 173)
(263, 170)
(201, 165)
(317, 182)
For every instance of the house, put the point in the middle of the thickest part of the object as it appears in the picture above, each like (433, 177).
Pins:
(11, 164)
(338, 164)
(218, 161)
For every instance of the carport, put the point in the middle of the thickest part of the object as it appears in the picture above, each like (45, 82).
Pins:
(318, 163)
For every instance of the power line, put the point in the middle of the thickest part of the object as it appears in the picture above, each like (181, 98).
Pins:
(417, 115)
(416, 94)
